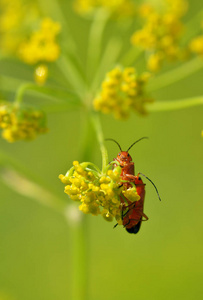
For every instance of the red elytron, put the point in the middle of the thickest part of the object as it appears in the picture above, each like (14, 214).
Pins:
(132, 212)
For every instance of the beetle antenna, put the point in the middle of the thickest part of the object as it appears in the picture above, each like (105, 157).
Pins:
(145, 137)
(152, 184)
(114, 142)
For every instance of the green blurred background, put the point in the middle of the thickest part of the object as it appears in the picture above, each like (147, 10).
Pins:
(164, 260)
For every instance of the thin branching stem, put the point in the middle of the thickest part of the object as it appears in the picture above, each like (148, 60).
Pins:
(99, 133)
(95, 41)
(175, 75)
(175, 104)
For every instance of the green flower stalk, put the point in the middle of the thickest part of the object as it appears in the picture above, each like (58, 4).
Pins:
(98, 193)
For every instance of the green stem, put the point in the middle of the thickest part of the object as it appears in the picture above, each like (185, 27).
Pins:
(72, 74)
(95, 39)
(97, 125)
(88, 138)
(79, 274)
(175, 75)
(107, 61)
(79, 229)
(20, 93)
(131, 56)
(175, 104)
(192, 26)
(66, 97)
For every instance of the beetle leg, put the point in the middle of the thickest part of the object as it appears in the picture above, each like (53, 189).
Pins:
(115, 225)
(146, 218)
(129, 209)
(126, 224)
(129, 176)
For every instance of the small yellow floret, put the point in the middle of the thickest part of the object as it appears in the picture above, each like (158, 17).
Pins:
(63, 179)
(107, 215)
(41, 74)
(131, 194)
(155, 61)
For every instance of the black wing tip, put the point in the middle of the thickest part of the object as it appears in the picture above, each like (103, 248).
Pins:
(135, 229)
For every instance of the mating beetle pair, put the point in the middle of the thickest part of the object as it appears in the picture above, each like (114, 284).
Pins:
(132, 212)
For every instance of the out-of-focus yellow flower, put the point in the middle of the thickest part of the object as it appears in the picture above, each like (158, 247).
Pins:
(196, 44)
(117, 8)
(15, 18)
(154, 61)
(122, 91)
(21, 123)
(42, 45)
(177, 7)
(161, 32)
(97, 193)
(11, 13)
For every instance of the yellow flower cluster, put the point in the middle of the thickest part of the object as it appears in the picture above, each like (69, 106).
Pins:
(20, 123)
(161, 32)
(99, 194)
(15, 17)
(118, 8)
(42, 45)
(122, 91)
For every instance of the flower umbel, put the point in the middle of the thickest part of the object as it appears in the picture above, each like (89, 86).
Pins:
(98, 194)
(161, 32)
(15, 17)
(122, 91)
(21, 123)
(42, 45)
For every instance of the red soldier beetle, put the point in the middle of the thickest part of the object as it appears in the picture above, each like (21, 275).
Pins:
(132, 212)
